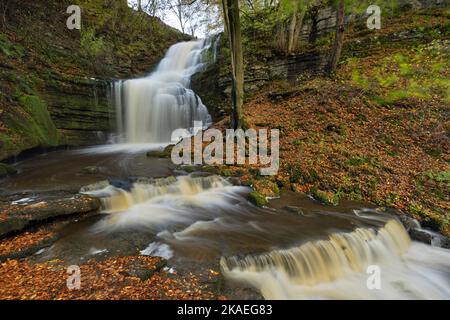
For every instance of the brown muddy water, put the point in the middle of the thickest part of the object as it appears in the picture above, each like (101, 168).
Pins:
(294, 249)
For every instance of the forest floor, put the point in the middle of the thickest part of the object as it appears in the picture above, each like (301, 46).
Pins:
(112, 279)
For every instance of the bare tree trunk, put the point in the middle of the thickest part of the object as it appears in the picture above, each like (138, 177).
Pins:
(180, 15)
(281, 37)
(226, 20)
(298, 28)
(232, 19)
(291, 32)
(313, 33)
(152, 6)
(339, 39)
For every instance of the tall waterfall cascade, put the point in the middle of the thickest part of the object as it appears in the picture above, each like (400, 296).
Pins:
(149, 109)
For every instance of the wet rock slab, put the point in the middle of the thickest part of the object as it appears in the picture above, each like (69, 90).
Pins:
(141, 270)
(16, 217)
(417, 233)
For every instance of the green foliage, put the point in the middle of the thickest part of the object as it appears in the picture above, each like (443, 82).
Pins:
(10, 49)
(441, 177)
(421, 73)
(6, 170)
(257, 199)
(288, 7)
(264, 26)
(257, 28)
(326, 197)
(359, 80)
(91, 44)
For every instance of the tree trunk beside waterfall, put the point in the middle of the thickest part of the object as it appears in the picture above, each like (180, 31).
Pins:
(339, 39)
(233, 26)
(313, 34)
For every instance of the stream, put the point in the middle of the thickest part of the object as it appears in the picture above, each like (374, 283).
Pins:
(294, 249)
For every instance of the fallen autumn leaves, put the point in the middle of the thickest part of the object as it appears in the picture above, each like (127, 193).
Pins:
(111, 279)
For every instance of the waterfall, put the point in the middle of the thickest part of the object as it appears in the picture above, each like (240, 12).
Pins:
(205, 217)
(116, 198)
(149, 109)
(336, 267)
(149, 203)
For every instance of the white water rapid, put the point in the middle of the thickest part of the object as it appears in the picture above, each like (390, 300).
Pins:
(337, 268)
(204, 217)
(149, 109)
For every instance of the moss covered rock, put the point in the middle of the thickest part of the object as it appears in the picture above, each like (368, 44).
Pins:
(266, 187)
(325, 197)
(165, 153)
(90, 170)
(29, 125)
(7, 170)
(226, 172)
(257, 199)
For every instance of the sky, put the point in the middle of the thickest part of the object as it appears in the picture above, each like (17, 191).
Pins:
(169, 17)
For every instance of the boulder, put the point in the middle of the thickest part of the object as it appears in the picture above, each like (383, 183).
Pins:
(141, 271)
(257, 199)
(7, 170)
(429, 237)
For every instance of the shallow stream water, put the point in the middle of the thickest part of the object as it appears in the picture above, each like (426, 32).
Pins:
(296, 248)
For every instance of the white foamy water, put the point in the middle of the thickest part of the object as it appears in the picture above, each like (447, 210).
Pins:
(205, 216)
(336, 268)
(156, 202)
(156, 249)
(149, 109)
(129, 148)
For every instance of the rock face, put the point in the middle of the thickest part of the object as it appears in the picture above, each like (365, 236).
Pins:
(430, 237)
(80, 109)
(214, 84)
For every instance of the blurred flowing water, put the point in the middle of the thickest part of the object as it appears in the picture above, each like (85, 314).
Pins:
(314, 253)
(149, 109)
